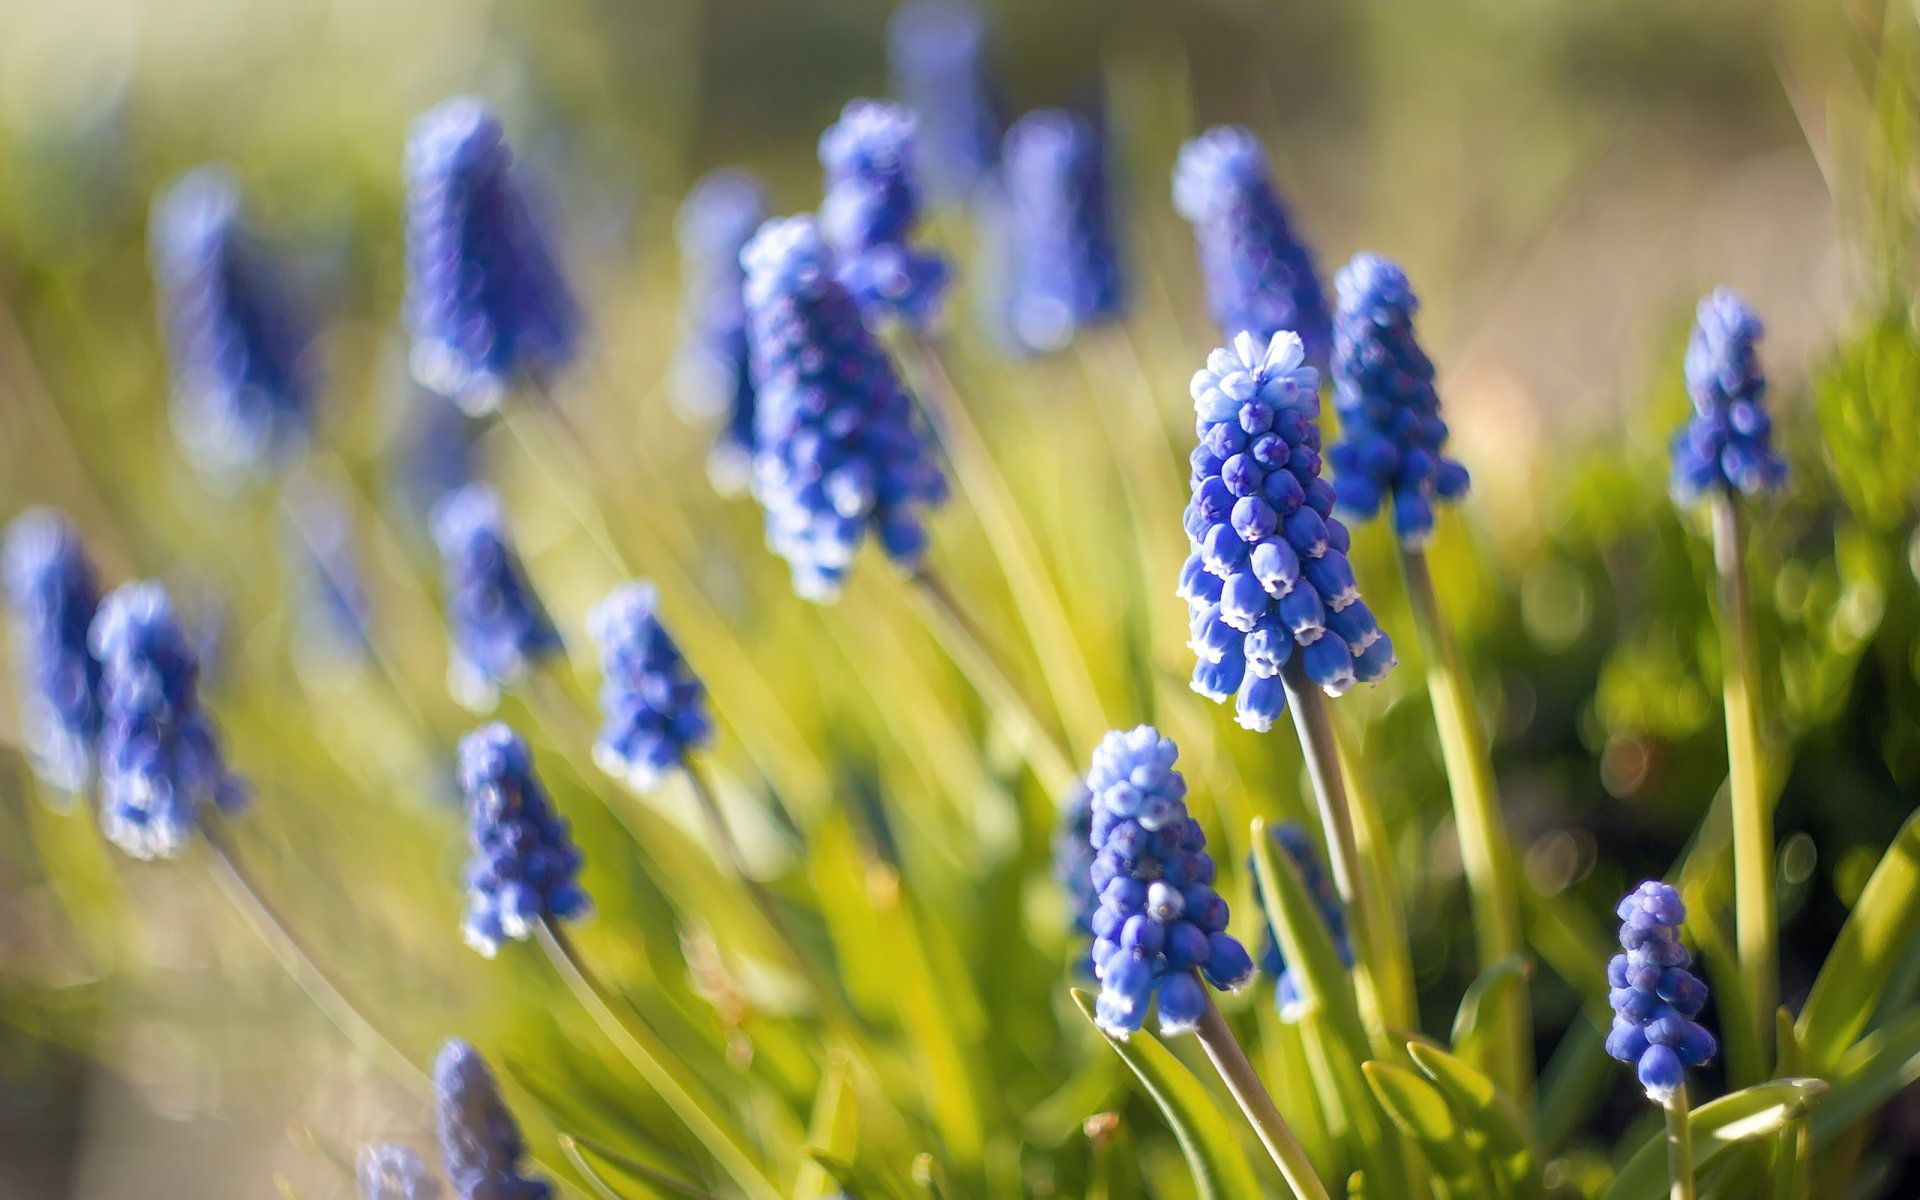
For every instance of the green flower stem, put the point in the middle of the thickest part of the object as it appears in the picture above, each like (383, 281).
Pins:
(662, 1072)
(1485, 852)
(1322, 753)
(1755, 923)
(1395, 964)
(1251, 1095)
(1679, 1146)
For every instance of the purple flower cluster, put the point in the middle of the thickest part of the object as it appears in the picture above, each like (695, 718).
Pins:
(1293, 840)
(1728, 444)
(1259, 275)
(1392, 437)
(479, 1138)
(711, 373)
(499, 627)
(1160, 926)
(525, 866)
(1653, 995)
(53, 594)
(391, 1171)
(653, 708)
(1073, 856)
(487, 301)
(836, 448)
(1268, 565)
(937, 52)
(1065, 251)
(872, 210)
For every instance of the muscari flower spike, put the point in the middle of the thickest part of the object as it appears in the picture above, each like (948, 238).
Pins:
(487, 301)
(1065, 254)
(654, 709)
(1654, 997)
(837, 451)
(1728, 443)
(390, 1171)
(479, 1139)
(244, 377)
(53, 594)
(1268, 567)
(937, 55)
(1259, 275)
(872, 210)
(1073, 856)
(525, 866)
(711, 373)
(1392, 437)
(499, 627)
(160, 756)
(1159, 920)
(1293, 840)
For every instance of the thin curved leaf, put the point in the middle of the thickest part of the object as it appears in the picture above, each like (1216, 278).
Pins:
(1881, 926)
(1493, 1125)
(833, 1128)
(1483, 1001)
(1717, 1127)
(1306, 943)
(1422, 1113)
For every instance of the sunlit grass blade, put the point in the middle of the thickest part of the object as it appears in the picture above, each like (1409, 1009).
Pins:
(1418, 1109)
(1883, 924)
(1394, 965)
(1793, 1156)
(1717, 1127)
(1494, 1125)
(576, 1149)
(833, 1127)
(1476, 1020)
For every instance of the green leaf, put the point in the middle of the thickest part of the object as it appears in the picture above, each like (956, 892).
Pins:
(858, 1183)
(834, 1128)
(1879, 1065)
(1485, 998)
(1422, 1113)
(1305, 940)
(1717, 1127)
(1793, 1161)
(1882, 924)
(578, 1149)
(1210, 1143)
(1493, 1125)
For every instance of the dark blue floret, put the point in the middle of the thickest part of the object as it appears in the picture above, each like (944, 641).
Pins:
(1393, 440)
(837, 452)
(1259, 275)
(872, 211)
(1728, 443)
(498, 626)
(1292, 839)
(1268, 570)
(479, 1138)
(391, 1171)
(525, 866)
(53, 595)
(653, 708)
(1073, 857)
(486, 299)
(160, 757)
(1159, 927)
(712, 375)
(1654, 998)
(244, 377)
(1065, 259)
(937, 50)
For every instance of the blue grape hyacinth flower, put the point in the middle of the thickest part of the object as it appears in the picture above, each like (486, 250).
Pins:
(712, 374)
(487, 300)
(1728, 443)
(1392, 438)
(1260, 277)
(390, 1171)
(1073, 856)
(653, 708)
(837, 451)
(53, 594)
(241, 345)
(1064, 244)
(1268, 573)
(480, 1142)
(1654, 998)
(498, 626)
(937, 55)
(160, 756)
(872, 212)
(1293, 840)
(524, 867)
(1160, 927)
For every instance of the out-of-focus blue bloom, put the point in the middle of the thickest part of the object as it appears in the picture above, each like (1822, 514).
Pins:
(244, 377)
(871, 212)
(329, 600)
(53, 594)
(1392, 437)
(1259, 275)
(836, 448)
(1654, 997)
(1268, 567)
(1729, 441)
(1160, 925)
(1065, 247)
(712, 375)
(499, 627)
(479, 1138)
(438, 452)
(390, 1171)
(653, 708)
(487, 300)
(1291, 838)
(937, 50)
(160, 757)
(525, 866)
(1073, 856)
